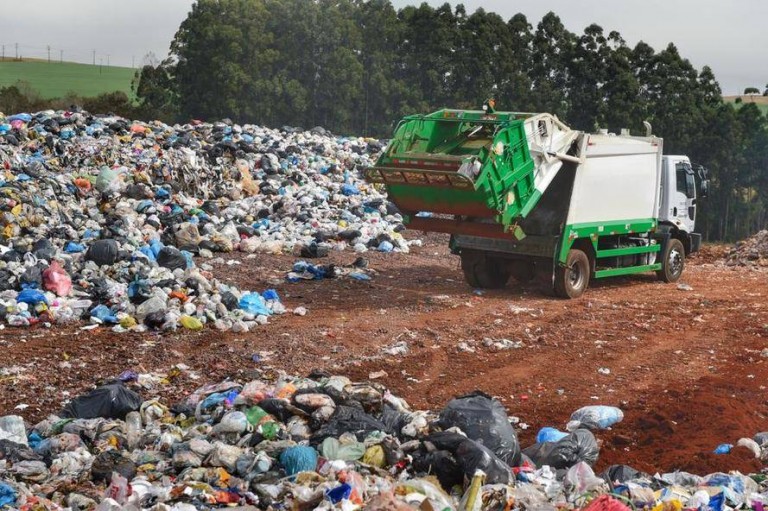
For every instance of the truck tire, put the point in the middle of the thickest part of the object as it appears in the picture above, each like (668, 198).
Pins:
(672, 261)
(572, 279)
(483, 271)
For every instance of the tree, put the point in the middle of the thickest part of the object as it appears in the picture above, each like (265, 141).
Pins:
(751, 90)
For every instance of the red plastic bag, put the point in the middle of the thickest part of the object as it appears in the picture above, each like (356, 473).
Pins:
(57, 280)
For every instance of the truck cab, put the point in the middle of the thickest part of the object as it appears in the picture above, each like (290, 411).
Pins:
(682, 184)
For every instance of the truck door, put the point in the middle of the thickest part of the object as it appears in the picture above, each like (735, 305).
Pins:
(684, 201)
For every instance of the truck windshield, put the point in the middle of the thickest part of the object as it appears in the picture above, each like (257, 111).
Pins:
(685, 180)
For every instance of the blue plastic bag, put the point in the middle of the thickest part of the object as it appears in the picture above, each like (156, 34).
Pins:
(349, 189)
(548, 434)
(72, 248)
(253, 303)
(104, 313)
(147, 251)
(300, 458)
(385, 246)
(7, 495)
(595, 417)
(270, 294)
(339, 493)
(156, 246)
(723, 449)
(31, 297)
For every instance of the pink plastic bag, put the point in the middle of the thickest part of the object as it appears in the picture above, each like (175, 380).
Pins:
(56, 279)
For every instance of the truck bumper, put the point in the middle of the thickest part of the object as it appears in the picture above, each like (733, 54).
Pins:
(695, 242)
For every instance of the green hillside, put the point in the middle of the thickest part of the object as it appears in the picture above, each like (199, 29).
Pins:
(55, 79)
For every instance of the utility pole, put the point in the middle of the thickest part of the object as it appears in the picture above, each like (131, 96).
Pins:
(94, 57)
(101, 63)
(61, 56)
(49, 53)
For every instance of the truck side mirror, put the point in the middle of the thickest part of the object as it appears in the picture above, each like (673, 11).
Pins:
(703, 175)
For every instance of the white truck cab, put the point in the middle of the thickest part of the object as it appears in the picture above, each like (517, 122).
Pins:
(679, 194)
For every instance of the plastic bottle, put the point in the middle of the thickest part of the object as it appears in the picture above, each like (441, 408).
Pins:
(133, 429)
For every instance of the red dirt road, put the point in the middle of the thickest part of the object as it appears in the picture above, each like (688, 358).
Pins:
(685, 366)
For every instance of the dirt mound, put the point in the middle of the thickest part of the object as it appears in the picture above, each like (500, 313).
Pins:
(752, 251)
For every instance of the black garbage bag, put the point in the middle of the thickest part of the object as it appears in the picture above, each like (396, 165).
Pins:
(280, 409)
(393, 419)
(44, 249)
(484, 419)
(347, 419)
(445, 440)
(171, 258)
(33, 277)
(621, 474)
(473, 456)
(313, 251)
(12, 256)
(7, 280)
(111, 401)
(112, 461)
(15, 453)
(103, 252)
(566, 452)
(441, 464)
(230, 301)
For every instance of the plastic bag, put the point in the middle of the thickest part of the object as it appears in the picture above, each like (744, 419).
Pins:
(346, 420)
(332, 449)
(621, 474)
(7, 495)
(595, 417)
(57, 280)
(548, 434)
(483, 419)
(31, 297)
(473, 456)
(580, 479)
(171, 258)
(109, 462)
(111, 401)
(298, 459)
(253, 303)
(571, 449)
(103, 252)
(12, 428)
(441, 464)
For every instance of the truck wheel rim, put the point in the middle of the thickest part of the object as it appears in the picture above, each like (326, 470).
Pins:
(675, 262)
(575, 276)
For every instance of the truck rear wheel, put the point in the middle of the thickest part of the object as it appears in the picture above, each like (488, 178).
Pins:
(672, 261)
(483, 271)
(572, 279)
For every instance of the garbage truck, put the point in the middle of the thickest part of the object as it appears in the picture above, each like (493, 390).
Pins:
(522, 194)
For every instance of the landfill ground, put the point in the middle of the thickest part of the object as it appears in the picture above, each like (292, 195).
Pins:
(686, 366)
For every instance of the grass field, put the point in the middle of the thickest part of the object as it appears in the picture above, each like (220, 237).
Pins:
(56, 79)
(760, 101)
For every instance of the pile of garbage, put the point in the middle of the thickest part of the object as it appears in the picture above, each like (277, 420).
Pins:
(117, 221)
(322, 442)
(751, 252)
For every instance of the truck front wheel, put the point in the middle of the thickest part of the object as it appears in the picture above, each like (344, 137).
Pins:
(672, 261)
(483, 271)
(572, 279)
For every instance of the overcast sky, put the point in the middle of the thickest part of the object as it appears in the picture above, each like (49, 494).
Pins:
(731, 37)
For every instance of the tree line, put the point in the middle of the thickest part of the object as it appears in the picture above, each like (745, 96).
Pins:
(357, 66)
